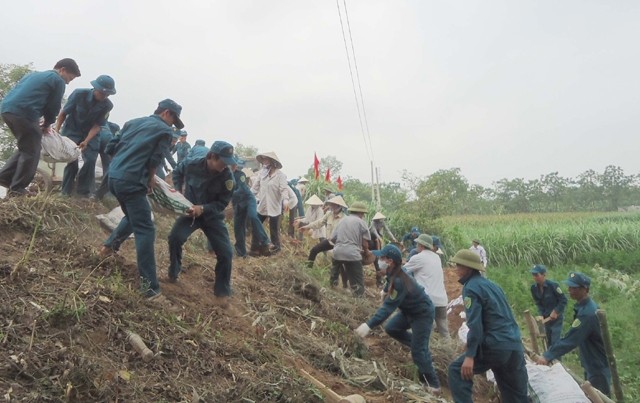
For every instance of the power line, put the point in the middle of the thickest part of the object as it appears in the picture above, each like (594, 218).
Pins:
(355, 63)
(353, 84)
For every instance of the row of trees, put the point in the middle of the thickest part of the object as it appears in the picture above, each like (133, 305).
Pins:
(447, 192)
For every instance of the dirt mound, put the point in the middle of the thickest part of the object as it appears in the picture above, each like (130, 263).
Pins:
(63, 336)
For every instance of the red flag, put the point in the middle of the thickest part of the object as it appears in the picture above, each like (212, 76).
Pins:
(339, 181)
(316, 165)
(327, 176)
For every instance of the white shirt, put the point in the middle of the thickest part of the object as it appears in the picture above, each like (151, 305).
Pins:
(272, 192)
(480, 252)
(426, 268)
(315, 213)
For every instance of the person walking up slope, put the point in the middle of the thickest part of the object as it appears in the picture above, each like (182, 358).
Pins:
(138, 150)
(416, 311)
(36, 95)
(208, 184)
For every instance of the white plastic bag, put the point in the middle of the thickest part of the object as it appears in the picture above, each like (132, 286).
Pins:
(113, 218)
(169, 198)
(57, 148)
(553, 385)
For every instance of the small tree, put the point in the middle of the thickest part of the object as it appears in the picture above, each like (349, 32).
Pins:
(10, 74)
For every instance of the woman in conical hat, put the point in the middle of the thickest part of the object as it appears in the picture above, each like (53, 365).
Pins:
(329, 221)
(313, 213)
(272, 191)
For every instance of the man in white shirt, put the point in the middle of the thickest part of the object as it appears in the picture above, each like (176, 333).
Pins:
(426, 267)
(479, 250)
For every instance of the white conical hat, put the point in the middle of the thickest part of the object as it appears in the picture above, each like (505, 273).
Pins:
(270, 154)
(338, 200)
(303, 180)
(379, 216)
(314, 201)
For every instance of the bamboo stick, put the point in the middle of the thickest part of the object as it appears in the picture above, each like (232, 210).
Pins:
(533, 331)
(581, 381)
(591, 392)
(611, 358)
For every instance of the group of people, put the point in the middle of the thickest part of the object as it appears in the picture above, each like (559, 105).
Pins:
(212, 177)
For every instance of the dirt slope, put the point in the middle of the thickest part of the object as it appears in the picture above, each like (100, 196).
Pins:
(64, 323)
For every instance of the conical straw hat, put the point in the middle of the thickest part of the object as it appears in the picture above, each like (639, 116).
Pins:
(338, 200)
(260, 158)
(314, 201)
(379, 216)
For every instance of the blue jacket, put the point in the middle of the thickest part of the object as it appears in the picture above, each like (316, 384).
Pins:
(549, 299)
(489, 317)
(182, 150)
(36, 94)
(584, 334)
(139, 148)
(410, 298)
(196, 152)
(211, 190)
(83, 112)
(241, 192)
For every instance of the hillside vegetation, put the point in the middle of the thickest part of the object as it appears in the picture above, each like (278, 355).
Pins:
(68, 312)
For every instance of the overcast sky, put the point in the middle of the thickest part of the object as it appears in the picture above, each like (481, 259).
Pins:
(500, 89)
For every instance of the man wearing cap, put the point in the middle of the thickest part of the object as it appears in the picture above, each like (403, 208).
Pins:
(479, 250)
(181, 148)
(198, 150)
(409, 241)
(350, 239)
(208, 184)
(38, 94)
(81, 117)
(329, 221)
(584, 334)
(426, 267)
(402, 292)
(493, 341)
(244, 208)
(550, 301)
(137, 152)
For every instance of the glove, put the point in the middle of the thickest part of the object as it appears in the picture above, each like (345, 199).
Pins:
(363, 330)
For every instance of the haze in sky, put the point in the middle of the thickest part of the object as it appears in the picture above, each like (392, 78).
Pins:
(500, 89)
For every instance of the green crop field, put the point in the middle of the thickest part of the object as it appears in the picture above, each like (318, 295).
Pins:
(605, 246)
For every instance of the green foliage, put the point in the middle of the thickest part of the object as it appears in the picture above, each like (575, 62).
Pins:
(550, 239)
(624, 261)
(602, 245)
(10, 74)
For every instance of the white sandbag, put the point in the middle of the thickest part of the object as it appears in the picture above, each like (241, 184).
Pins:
(553, 385)
(57, 148)
(113, 218)
(169, 198)
(463, 332)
